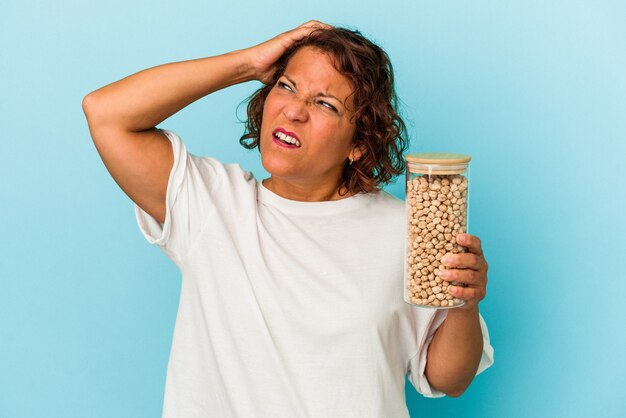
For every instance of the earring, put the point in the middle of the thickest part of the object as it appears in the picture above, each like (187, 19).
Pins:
(351, 161)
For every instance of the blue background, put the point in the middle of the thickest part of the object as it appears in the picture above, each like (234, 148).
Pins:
(535, 91)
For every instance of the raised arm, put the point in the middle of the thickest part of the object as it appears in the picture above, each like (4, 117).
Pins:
(122, 115)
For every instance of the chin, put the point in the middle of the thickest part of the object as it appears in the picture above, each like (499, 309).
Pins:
(277, 165)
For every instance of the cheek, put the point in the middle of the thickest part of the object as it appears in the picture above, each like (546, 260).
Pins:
(266, 116)
(344, 136)
(271, 105)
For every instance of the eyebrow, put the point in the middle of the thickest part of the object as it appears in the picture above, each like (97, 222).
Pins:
(321, 94)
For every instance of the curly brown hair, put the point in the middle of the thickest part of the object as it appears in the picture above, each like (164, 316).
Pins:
(380, 131)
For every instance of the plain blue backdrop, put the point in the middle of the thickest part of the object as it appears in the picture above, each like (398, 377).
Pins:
(535, 91)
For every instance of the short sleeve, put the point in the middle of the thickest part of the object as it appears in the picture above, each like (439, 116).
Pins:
(188, 192)
(417, 364)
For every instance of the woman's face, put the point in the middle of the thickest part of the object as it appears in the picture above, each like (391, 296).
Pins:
(310, 104)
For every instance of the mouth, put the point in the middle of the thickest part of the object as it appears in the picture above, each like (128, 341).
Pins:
(285, 138)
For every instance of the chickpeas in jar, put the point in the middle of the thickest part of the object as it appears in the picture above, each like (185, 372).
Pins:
(436, 202)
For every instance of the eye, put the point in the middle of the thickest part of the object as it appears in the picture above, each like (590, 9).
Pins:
(284, 86)
(328, 106)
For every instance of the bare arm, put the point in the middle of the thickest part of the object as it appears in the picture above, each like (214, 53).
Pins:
(122, 115)
(143, 100)
(456, 349)
(455, 352)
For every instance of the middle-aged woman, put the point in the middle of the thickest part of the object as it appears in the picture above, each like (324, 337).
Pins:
(291, 302)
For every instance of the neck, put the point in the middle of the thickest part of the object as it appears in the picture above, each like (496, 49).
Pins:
(304, 192)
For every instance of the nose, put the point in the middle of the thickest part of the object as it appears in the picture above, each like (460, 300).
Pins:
(296, 110)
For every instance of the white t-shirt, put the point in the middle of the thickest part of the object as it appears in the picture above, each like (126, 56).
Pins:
(287, 309)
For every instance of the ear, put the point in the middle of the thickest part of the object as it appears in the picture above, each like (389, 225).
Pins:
(357, 153)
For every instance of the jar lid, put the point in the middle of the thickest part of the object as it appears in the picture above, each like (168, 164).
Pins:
(437, 158)
(437, 163)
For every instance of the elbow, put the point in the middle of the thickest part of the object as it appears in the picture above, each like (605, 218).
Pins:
(89, 105)
(95, 111)
(456, 391)
(455, 394)
(450, 386)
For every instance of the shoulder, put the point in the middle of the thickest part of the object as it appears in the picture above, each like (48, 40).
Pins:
(205, 166)
(384, 210)
(231, 171)
(386, 202)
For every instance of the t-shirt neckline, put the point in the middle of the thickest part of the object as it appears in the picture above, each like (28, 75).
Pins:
(296, 207)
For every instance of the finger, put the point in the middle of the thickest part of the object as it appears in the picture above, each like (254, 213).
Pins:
(304, 30)
(471, 242)
(308, 27)
(466, 277)
(316, 24)
(475, 294)
(463, 261)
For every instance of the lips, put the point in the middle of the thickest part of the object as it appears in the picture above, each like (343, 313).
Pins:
(282, 144)
(286, 138)
(291, 134)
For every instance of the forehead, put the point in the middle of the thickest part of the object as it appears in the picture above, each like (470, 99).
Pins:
(314, 72)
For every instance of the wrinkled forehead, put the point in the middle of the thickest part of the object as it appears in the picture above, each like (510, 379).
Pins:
(316, 71)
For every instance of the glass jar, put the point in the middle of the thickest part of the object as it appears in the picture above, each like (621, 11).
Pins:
(437, 195)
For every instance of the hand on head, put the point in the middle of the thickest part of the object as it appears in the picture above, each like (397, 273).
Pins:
(265, 55)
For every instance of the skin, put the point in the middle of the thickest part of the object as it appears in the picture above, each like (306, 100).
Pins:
(455, 351)
(313, 100)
